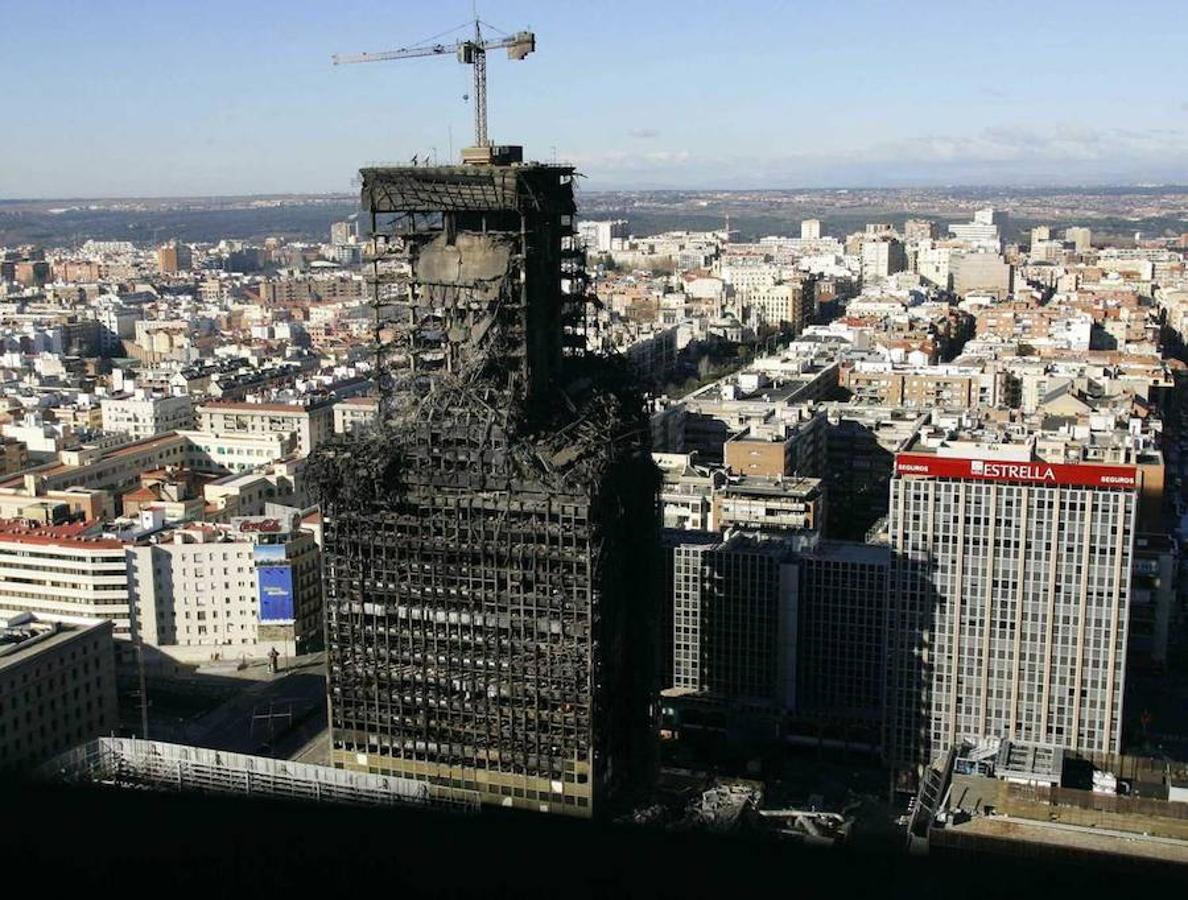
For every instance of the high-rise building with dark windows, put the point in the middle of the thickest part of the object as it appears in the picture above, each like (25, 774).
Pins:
(492, 545)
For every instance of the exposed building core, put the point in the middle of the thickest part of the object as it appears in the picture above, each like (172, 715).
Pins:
(491, 545)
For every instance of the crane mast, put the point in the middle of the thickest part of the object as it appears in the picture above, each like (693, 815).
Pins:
(472, 52)
(478, 60)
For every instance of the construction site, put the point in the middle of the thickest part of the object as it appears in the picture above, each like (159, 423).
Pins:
(489, 546)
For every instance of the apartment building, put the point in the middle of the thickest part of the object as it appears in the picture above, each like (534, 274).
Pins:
(310, 424)
(761, 450)
(174, 257)
(788, 305)
(686, 492)
(600, 236)
(860, 447)
(218, 452)
(14, 456)
(117, 469)
(355, 413)
(778, 504)
(882, 258)
(982, 273)
(288, 291)
(232, 590)
(143, 415)
(925, 387)
(1081, 238)
(1027, 322)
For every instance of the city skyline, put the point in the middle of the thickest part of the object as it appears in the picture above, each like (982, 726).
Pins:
(139, 102)
(602, 455)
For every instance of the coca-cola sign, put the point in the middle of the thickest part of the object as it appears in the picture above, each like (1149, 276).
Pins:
(262, 525)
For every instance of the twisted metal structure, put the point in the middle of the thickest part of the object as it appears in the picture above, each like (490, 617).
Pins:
(491, 548)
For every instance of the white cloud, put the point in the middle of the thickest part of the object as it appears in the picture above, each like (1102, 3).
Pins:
(1016, 143)
(633, 160)
(1058, 152)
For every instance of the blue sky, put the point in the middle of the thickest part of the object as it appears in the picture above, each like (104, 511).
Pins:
(174, 97)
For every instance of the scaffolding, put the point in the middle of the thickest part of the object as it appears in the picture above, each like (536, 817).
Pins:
(133, 763)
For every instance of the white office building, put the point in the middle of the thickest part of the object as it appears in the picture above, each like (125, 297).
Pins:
(63, 574)
(1008, 602)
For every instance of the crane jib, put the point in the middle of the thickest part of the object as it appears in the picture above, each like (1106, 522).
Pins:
(470, 52)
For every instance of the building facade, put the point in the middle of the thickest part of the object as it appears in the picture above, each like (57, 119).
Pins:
(143, 416)
(236, 590)
(770, 504)
(1009, 602)
(310, 425)
(841, 606)
(63, 574)
(733, 618)
(57, 687)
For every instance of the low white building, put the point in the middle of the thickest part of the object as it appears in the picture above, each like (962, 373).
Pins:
(309, 424)
(354, 413)
(144, 415)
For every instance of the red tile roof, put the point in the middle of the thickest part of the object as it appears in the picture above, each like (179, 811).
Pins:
(74, 534)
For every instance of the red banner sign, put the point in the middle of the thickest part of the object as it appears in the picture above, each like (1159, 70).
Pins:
(1081, 474)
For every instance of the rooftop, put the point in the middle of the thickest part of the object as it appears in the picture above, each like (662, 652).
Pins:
(22, 635)
(1096, 839)
(20, 531)
(773, 486)
(239, 406)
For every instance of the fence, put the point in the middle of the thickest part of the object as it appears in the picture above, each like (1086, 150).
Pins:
(156, 764)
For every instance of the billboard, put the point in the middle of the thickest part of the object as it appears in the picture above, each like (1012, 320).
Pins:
(926, 465)
(260, 525)
(270, 552)
(276, 593)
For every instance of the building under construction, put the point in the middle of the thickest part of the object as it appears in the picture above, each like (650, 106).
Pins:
(491, 548)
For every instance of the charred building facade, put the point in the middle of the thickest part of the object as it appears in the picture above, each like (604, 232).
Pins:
(492, 545)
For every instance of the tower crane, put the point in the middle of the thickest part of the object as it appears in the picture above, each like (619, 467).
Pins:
(473, 52)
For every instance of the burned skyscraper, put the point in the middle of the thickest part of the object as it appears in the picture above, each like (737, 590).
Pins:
(491, 546)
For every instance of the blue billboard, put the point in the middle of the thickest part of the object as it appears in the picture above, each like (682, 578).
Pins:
(276, 593)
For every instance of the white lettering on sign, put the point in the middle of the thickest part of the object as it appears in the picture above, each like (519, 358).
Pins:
(1035, 472)
(1022, 471)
